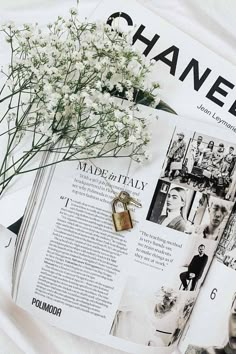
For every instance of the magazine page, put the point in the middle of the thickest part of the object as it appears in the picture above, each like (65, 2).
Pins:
(194, 81)
(105, 285)
(212, 326)
(24, 238)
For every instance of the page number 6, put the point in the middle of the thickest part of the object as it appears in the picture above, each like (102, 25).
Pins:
(213, 294)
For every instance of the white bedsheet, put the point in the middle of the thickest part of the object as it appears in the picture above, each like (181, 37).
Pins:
(213, 24)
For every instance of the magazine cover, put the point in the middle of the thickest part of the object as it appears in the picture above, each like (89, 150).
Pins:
(194, 81)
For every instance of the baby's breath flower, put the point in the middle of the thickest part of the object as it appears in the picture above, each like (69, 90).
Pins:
(132, 139)
(148, 155)
(62, 83)
(80, 140)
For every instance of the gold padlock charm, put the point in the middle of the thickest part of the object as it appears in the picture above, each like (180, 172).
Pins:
(121, 220)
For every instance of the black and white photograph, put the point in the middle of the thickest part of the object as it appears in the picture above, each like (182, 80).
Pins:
(230, 342)
(210, 217)
(226, 250)
(189, 211)
(194, 270)
(202, 163)
(183, 318)
(192, 273)
(164, 311)
(169, 205)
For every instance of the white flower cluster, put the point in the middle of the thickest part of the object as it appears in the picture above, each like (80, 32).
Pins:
(63, 83)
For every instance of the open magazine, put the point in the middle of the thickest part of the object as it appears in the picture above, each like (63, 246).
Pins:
(133, 290)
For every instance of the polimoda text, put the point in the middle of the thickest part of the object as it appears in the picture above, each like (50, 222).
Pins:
(47, 307)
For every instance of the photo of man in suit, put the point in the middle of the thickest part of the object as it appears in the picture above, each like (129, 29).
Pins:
(195, 269)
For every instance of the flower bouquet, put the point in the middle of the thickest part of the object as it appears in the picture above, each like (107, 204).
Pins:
(60, 92)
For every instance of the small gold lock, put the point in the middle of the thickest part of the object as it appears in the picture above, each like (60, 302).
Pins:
(121, 220)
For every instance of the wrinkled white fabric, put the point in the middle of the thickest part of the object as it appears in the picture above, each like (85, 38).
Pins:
(210, 22)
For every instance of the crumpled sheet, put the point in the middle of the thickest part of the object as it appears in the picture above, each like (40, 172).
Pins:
(210, 22)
